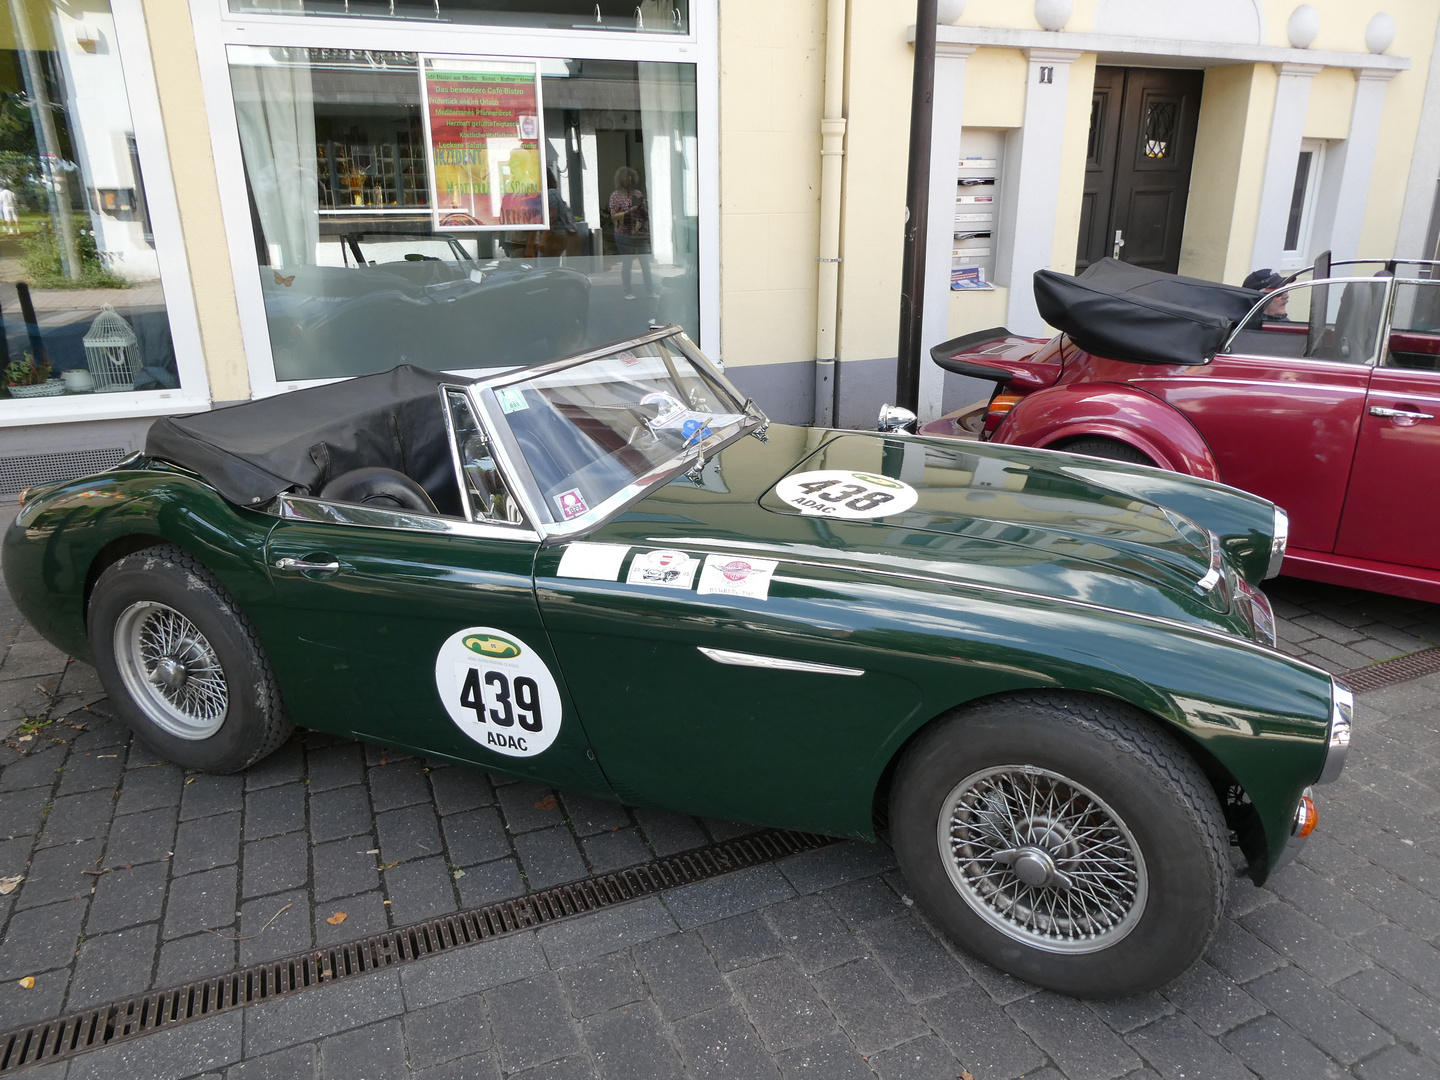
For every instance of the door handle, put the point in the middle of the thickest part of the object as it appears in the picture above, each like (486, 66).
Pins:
(302, 566)
(1119, 243)
(1400, 414)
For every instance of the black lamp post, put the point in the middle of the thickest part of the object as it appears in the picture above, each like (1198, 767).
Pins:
(917, 203)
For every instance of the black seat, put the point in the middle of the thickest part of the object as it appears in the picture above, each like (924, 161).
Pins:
(379, 487)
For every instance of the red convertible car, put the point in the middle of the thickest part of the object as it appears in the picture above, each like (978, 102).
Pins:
(1322, 396)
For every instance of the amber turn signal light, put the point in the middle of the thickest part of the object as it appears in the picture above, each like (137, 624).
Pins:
(1306, 817)
(1000, 404)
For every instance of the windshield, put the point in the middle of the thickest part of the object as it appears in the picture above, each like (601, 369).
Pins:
(591, 430)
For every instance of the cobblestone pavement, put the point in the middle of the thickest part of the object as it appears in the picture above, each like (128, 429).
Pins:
(139, 874)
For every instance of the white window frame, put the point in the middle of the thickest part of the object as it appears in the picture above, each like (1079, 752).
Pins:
(1297, 258)
(216, 28)
(133, 45)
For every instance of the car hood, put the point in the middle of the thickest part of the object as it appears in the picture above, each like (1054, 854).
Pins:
(994, 516)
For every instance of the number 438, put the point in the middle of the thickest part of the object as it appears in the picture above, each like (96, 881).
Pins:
(495, 696)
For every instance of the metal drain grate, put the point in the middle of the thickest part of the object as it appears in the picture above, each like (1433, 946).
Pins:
(104, 1025)
(1401, 669)
(31, 470)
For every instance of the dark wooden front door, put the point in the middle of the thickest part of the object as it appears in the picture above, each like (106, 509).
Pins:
(1137, 172)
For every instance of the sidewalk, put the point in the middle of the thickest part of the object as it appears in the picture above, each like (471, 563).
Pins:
(138, 874)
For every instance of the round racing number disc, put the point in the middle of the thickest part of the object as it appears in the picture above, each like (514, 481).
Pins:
(839, 493)
(498, 691)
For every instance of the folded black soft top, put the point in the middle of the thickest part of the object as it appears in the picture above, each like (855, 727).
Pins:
(1127, 312)
(297, 441)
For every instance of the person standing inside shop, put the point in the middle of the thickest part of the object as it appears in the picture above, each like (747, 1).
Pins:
(630, 215)
(8, 212)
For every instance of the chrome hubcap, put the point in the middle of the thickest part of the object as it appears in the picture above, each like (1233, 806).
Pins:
(1042, 859)
(171, 670)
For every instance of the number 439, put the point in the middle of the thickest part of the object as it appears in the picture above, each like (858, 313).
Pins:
(501, 700)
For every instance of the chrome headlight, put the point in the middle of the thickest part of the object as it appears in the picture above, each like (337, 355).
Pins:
(893, 418)
(1342, 719)
(1277, 545)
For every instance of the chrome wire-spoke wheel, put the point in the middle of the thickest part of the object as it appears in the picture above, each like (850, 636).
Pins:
(171, 670)
(1043, 859)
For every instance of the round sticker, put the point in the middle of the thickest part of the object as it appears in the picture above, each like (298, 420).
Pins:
(498, 691)
(839, 493)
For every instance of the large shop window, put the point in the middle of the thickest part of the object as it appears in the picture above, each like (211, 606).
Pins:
(359, 271)
(81, 307)
(646, 16)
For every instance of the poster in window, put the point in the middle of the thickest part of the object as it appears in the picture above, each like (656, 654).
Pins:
(485, 138)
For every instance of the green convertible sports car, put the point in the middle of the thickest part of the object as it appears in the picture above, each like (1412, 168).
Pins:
(1048, 680)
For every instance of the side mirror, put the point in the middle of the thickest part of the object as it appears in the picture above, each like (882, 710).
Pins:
(893, 418)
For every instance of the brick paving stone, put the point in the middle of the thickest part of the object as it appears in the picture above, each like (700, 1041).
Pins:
(274, 926)
(832, 1057)
(741, 941)
(143, 837)
(681, 975)
(193, 957)
(1329, 904)
(77, 817)
(202, 901)
(32, 770)
(1240, 954)
(1305, 942)
(483, 1067)
(327, 1010)
(602, 984)
(782, 1004)
(183, 1051)
(340, 813)
(1276, 1051)
(373, 1052)
(292, 1064)
(605, 931)
(528, 806)
(129, 897)
(1396, 1063)
(365, 914)
(420, 889)
(205, 843)
(813, 933)
(919, 1059)
(1181, 1051)
(609, 851)
(720, 831)
(58, 873)
(285, 766)
(15, 855)
(86, 772)
(398, 783)
(981, 1035)
(871, 1010)
(916, 961)
(1413, 959)
(149, 786)
(1075, 1039)
(27, 659)
(1126, 1014)
(863, 902)
(1210, 999)
(589, 816)
(113, 966)
(457, 788)
(22, 812)
(721, 1045)
(732, 894)
(1333, 1024)
(275, 863)
(1398, 900)
(475, 836)
(811, 871)
(343, 868)
(412, 832)
(40, 939)
(531, 1022)
(270, 811)
(471, 970)
(489, 882)
(332, 767)
(630, 1044)
(549, 857)
(204, 794)
(669, 833)
(447, 1031)
(45, 999)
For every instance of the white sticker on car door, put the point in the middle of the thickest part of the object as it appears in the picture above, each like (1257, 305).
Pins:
(733, 575)
(498, 691)
(839, 493)
(667, 569)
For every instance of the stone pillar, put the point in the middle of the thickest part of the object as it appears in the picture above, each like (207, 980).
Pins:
(1287, 130)
(1345, 190)
(939, 240)
(1031, 197)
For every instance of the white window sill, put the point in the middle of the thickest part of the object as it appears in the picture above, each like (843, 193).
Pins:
(75, 408)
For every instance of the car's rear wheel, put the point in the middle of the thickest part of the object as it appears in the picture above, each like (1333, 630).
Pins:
(1111, 449)
(182, 664)
(1066, 840)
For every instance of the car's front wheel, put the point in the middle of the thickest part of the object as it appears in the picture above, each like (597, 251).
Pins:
(182, 664)
(1064, 839)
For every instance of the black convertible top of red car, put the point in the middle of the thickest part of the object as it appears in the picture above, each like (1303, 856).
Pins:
(1126, 312)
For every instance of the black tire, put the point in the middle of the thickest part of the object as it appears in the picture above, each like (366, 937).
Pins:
(1104, 765)
(1110, 449)
(182, 664)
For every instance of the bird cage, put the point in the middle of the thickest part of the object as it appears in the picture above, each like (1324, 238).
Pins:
(112, 352)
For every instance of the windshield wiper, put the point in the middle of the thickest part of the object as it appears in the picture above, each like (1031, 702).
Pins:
(751, 409)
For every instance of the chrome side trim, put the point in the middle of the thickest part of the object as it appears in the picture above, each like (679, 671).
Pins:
(460, 478)
(1342, 719)
(775, 663)
(1278, 543)
(304, 508)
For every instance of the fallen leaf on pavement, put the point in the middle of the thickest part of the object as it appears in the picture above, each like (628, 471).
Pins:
(8, 884)
(28, 981)
(457, 873)
(25, 738)
(547, 803)
(965, 1075)
(337, 918)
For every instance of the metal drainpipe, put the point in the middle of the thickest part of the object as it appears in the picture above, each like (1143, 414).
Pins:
(917, 201)
(832, 179)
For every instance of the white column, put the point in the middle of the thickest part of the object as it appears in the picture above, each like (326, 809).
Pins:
(1031, 196)
(1340, 210)
(945, 128)
(1424, 168)
(1287, 130)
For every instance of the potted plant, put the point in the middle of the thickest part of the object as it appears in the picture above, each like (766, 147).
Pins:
(26, 378)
